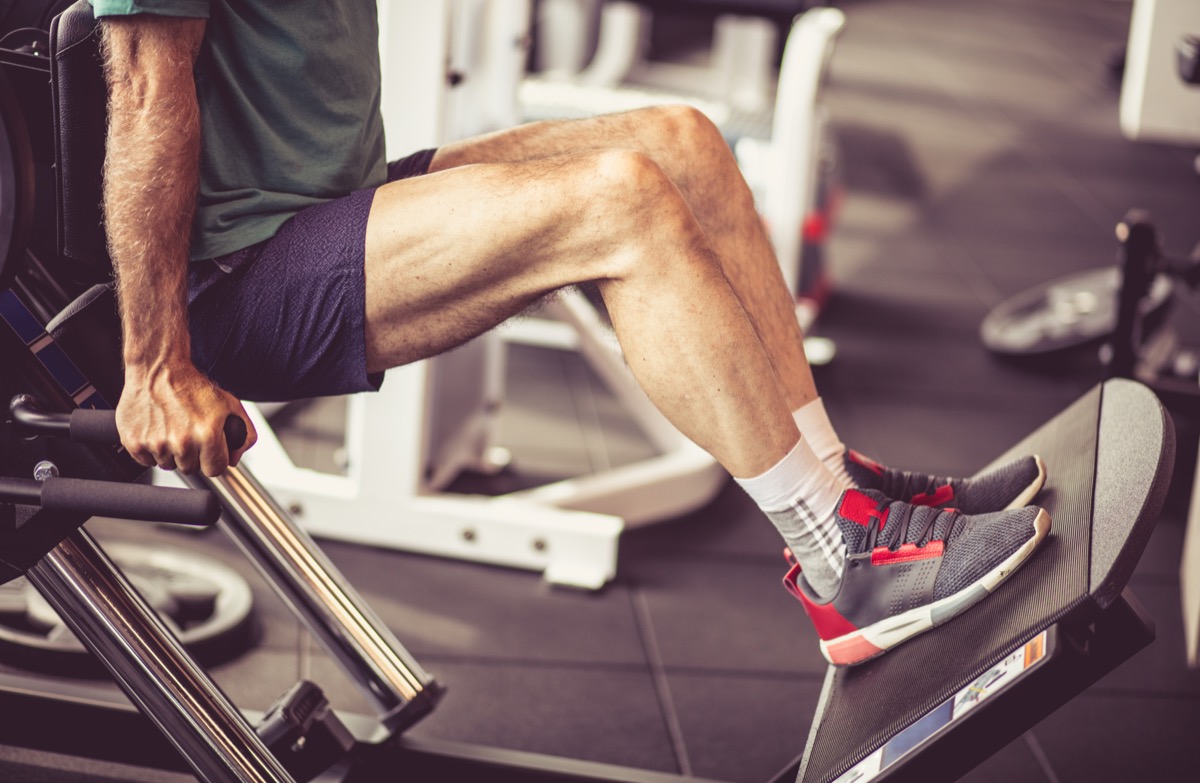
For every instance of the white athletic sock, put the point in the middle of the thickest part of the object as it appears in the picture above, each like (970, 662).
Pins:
(813, 423)
(799, 495)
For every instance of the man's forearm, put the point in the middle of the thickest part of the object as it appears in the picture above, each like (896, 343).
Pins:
(150, 184)
(169, 414)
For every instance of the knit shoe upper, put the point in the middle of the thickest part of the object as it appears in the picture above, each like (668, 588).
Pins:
(909, 568)
(1011, 485)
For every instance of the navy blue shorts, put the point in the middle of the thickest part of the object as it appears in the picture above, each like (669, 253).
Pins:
(285, 319)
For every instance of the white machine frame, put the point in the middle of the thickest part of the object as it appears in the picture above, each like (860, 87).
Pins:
(1157, 105)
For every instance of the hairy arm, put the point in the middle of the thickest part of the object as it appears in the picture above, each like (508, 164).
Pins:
(169, 413)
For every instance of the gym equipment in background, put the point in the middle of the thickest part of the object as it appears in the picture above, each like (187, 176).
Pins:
(207, 604)
(1172, 371)
(1123, 311)
(1066, 313)
(1160, 100)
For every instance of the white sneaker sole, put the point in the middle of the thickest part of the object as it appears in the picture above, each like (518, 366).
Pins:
(1030, 492)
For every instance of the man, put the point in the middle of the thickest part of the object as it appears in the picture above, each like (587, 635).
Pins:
(245, 137)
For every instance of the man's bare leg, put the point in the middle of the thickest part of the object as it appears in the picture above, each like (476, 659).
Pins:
(795, 493)
(452, 254)
(691, 152)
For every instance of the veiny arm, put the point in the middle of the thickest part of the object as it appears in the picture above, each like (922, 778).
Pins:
(169, 414)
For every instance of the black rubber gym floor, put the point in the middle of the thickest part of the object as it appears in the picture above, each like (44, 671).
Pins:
(981, 155)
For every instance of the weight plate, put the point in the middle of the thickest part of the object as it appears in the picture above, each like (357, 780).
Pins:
(1063, 314)
(208, 606)
(16, 182)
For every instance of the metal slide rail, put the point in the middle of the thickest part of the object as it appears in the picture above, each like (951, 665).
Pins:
(311, 585)
(113, 620)
(145, 658)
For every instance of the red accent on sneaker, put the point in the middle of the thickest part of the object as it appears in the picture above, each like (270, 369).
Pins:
(789, 579)
(907, 553)
(943, 494)
(866, 462)
(859, 508)
(851, 651)
(828, 621)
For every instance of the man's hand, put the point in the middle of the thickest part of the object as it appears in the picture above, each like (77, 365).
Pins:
(171, 416)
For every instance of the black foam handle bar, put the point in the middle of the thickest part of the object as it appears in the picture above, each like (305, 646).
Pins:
(131, 501)
(92, 426)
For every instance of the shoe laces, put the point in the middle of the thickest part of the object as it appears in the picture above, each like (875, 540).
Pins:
(931, 517)
(910, 485)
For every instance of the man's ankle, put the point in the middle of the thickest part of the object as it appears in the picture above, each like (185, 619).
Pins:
(815, 427)
(800, 496)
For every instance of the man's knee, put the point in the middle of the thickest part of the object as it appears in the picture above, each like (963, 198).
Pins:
(627, 178)
(628, 185)
(641, 209)
(688, 130)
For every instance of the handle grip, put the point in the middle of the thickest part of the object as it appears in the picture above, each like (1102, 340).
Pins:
(113, 498)
(130, 501)
(93, 426)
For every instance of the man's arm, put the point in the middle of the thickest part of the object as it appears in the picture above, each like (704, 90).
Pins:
(169, 413)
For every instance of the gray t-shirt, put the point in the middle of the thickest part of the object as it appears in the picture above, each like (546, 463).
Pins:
(289, 106)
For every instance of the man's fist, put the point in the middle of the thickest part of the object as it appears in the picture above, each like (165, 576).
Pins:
(171, 416)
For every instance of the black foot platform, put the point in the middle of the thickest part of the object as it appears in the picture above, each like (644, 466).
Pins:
(939, 705)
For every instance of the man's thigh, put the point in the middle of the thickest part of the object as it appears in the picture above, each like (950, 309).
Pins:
(654, 131)
(456, 252)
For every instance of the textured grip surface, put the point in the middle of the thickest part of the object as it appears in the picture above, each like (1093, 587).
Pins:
(130, 501)
(92, 426)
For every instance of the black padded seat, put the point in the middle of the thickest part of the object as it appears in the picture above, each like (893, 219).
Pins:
(16, 182)
(80, 106)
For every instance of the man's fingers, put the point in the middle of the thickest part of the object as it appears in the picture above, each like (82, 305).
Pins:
(140, 455)
(177, 421)
(163, 453)
(214, 453)
(187, 457)
(214, 459)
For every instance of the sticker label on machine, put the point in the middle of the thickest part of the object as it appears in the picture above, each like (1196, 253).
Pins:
(984, 687)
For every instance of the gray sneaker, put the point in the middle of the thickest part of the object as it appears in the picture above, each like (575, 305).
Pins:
(910, 568)
(1009, 486)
